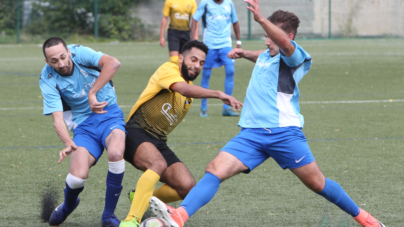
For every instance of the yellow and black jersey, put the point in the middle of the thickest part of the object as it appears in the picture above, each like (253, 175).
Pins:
(180, 13)
(159, 110)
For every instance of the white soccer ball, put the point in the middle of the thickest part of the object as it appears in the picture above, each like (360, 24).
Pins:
(154, 222)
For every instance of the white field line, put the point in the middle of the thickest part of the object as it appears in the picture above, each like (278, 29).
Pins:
(220, 104)
(352, 101)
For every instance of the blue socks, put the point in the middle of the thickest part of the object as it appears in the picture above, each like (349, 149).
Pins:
(207, 187)
(71, 198)
(334, 193)
(113, 192)
(201, 194)
(205, 84)
(228, 82)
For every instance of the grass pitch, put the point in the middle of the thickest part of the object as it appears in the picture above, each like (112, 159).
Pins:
(352, 101)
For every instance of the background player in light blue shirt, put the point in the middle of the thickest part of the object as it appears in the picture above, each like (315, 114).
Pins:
(217, 16)
(77, 89)
(271, 125)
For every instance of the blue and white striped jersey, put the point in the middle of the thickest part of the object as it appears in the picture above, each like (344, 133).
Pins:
(70, 93)
(272, 94)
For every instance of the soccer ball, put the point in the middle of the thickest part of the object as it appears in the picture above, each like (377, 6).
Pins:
(154, 222)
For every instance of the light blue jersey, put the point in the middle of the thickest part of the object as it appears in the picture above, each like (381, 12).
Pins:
(272, 98)
(217, 20)
(70, 93)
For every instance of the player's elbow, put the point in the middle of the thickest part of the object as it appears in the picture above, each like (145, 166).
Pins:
(284, 43)
(116, 64)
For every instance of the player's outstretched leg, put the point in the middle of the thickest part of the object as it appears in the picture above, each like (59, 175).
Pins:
(73, 188)
(334, 193)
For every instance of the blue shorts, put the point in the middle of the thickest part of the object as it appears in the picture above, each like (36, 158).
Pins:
(218, 57)
(92, 132)
(287, 146)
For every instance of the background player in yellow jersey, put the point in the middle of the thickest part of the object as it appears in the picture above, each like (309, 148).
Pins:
(180, 13)
(159, 109)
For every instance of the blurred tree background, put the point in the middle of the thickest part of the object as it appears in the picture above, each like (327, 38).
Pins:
(67, 18)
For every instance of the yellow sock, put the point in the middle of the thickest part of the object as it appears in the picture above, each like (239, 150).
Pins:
(144, 191)
(174, 59)
(166, 194)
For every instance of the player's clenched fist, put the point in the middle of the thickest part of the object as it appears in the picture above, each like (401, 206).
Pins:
(236, 53)
(95, 106)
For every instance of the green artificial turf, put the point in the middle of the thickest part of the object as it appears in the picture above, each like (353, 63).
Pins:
(352, 100)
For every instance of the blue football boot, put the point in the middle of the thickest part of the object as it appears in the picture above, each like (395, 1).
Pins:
(204, 113)
(110, 221)
(58, 216)
(230, 113)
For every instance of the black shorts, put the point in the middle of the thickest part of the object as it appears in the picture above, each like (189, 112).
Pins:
(137, 136)
(176, 39)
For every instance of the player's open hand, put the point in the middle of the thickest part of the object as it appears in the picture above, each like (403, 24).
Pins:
(70, 147)
(162, 42)
(255, 9)
(236, 53)
(231, 101)
(96, 107)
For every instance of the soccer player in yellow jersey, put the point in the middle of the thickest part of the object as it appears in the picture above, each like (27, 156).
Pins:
(180, 13)
(159, 109)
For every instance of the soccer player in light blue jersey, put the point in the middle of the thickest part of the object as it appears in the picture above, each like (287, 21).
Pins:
(271, 125)
(77, 90)
(217, 17)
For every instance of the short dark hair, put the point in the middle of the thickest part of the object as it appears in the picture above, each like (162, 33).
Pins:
(287, 21)
(52, 42)
(194, 43)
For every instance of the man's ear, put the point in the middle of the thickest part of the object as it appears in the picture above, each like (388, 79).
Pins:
(291, 36)
(46, 60)
(180, 59)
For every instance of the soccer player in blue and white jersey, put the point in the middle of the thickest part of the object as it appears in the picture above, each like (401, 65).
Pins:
(217, 17)
(77, 89)
(271, 125)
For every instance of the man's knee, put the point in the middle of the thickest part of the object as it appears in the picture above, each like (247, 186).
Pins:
(213, 169)
(77, 174)
(189, 184)
(315, 184)
(186, 187)
(158, 166)
(115, 155)
(229, 70)
(75, 182)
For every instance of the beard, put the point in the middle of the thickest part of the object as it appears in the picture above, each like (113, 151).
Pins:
(68, 67)
(185, 74)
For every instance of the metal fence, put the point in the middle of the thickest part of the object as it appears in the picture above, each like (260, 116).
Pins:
(319, 18)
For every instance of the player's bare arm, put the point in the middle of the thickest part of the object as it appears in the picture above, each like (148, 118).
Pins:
(61, 131)
(251, 55)
(193, 91)
(277, 35)
(194, 30)
(109, 66)
(162, 30)
(236, 28)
